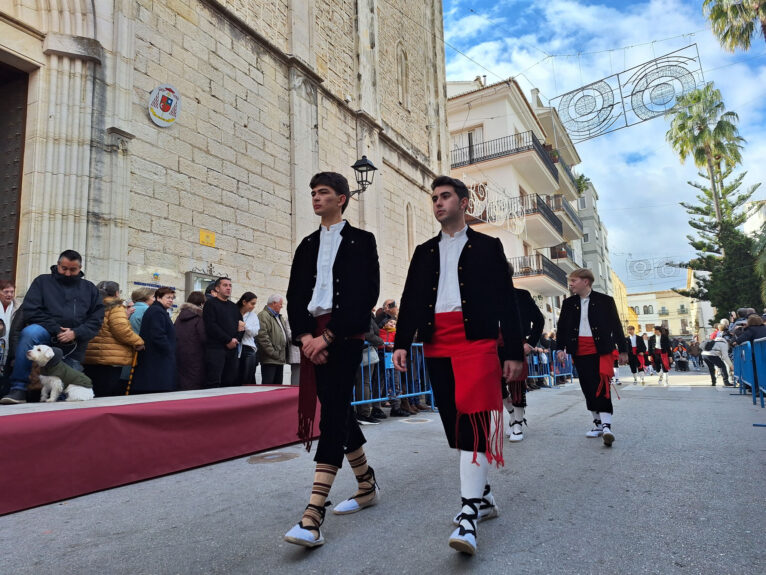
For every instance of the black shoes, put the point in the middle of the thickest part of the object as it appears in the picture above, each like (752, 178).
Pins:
(378, 413)
(14, 397)
(399, 412)
(367, 419)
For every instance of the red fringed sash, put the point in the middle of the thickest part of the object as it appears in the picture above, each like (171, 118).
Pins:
(587, 346)
(307, 392)
(665, 361)
(477, 370)
(641, 361)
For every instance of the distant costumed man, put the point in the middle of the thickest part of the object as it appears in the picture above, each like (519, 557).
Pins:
(458, 296)
(589, 329)
(636, 354)
(334, 283)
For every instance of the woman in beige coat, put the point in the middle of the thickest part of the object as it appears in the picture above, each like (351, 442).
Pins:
(113, 347)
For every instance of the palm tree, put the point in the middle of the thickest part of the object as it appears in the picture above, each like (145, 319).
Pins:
(702, 128)
(735, 23)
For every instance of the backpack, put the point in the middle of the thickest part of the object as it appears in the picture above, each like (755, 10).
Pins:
(709, 345)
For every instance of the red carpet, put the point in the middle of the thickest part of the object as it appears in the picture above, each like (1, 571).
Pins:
(55, 455)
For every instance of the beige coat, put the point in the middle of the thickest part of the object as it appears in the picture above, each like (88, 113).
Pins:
(115, 342)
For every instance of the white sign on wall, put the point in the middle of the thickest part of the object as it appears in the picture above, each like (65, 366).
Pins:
(164, 105)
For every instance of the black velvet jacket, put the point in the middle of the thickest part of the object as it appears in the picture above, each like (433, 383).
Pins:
(664, 344)
(356, 283)
(532, 319)
(486, 290)
(604, 323)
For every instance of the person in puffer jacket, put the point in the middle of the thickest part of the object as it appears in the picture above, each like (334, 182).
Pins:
(114, 345)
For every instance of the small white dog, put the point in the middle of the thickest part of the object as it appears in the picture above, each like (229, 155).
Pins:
(55, 374)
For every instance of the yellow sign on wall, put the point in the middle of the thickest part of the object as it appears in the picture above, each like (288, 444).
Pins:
(207, 238)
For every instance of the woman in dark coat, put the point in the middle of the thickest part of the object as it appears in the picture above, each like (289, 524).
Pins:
(156, 367)
(190, 339)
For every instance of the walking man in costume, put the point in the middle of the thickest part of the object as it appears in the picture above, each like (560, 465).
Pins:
(515, 393)
(636, 353)
(334, 282)
(659, 348)
(458, 296)
(589, 329)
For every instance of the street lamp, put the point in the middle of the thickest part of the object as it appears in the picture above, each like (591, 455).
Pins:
(364, 170)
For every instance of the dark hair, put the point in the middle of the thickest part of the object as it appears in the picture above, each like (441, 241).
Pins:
(196, 298)
(107, 288)
(246, 297)
(6, 283)
(71, 255)
(210, 287)
(333, 180)
(460, 188)
(217, 282)
(754, 319)
(163, 291)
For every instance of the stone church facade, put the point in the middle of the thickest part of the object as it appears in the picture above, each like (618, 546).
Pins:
(271, 91)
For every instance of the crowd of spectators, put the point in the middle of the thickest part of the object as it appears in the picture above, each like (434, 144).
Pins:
(144, 344)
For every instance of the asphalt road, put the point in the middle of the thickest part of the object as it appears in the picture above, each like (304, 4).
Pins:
(683, 490)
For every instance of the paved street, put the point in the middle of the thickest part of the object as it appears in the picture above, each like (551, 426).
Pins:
(681, 491)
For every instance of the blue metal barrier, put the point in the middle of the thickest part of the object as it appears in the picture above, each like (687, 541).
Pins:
(562, 368)
(386, 383)
(759, 355)
(539, 366)
(744, 369)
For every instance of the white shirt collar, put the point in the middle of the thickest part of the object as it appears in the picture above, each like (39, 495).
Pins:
(333, 228)
(458, 234)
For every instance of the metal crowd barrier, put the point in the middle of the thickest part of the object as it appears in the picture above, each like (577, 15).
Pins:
(744, 368)
(386, 383)
(759, 353)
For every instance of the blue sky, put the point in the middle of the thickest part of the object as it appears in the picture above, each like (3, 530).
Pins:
(560, 45)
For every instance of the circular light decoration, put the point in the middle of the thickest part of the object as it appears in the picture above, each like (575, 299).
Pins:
(164, 105)
(656, 89)
(664, 268)
(639, 269)
(589, 111)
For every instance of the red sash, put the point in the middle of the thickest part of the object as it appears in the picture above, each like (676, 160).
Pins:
(307, 392)
(641, 361)
(477, 370)
(587, 346)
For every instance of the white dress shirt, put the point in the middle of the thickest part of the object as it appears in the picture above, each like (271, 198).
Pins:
(448, 292)
(584, 323)
(329, 242)
(633, 341)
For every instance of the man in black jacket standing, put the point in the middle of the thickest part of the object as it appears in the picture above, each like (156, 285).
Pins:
(224, 329)
(458, 297)
(636, 353)
(590, 330)
(334, 283)
(61, 309)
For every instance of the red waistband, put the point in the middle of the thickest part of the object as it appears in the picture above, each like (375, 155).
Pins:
(586, 346)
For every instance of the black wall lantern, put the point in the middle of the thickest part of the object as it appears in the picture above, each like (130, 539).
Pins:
(364, 170)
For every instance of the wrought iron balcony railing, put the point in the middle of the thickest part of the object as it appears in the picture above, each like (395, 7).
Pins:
(537, 264)
(563, 251)
(558, 203)
(568, 171)
(534, 204)
(501, 147)
(683, 310)
(664, 312)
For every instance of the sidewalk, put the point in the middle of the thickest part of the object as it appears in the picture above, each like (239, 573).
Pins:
(681, 491)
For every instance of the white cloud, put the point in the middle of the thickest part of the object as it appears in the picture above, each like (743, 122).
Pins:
(638, 177)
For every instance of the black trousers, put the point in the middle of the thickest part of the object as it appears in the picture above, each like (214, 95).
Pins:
(633, 363)
(339, 431)
(247, 364)
(272, 374)
(221, 367)
(713, 361)
(106, 379)
(459, 433)
(587, 371)
(658, 362)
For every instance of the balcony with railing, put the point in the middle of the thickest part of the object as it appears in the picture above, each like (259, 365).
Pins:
(544, 228)
(564, 256)
(524, 151)
(664, 312)
(573, 228)
(538, 273)
(567, 180)
(683, 310)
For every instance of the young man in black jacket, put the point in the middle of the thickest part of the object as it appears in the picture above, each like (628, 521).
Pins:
(224, 329)
(458, 296)
(61, 309)
(636, 353)
(590, 330)
(659, 348)
(334, 283)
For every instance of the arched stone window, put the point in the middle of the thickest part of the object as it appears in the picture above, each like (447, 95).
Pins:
(403, 76)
